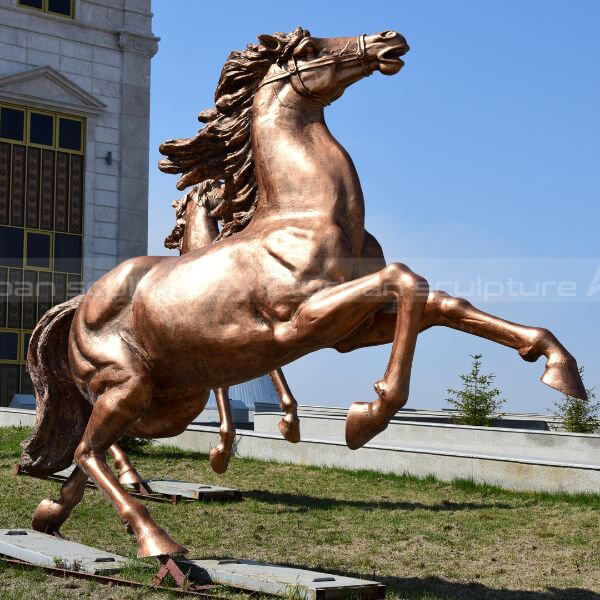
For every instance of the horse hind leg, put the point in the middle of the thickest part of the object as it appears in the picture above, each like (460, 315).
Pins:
(128, 474)
(219, 456)
(561, 371)
(125, 393)
(441, 309)
(51, 514)
(289, 426)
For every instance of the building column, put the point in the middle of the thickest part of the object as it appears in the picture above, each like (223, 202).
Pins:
(138, 50)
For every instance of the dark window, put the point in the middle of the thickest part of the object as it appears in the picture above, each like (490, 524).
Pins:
(32, 3)
(12, 124)
(26, 383)
(62, 7)
(26, 340)
(69, 134)
(42, 129)
(67, 253)
(9, 345)
(38, 250)
(11, 247)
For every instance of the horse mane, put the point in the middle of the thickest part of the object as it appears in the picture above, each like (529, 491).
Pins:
(222, 149)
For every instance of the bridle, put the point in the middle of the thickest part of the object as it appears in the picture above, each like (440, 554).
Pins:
(293, 70)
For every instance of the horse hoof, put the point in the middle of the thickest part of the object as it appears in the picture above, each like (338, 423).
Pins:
(157, 542)
(47, 518)
(219, 460)
(563, 375)
(290, 430)
(362, 425)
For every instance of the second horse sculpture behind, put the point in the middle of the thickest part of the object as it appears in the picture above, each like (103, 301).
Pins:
(293, 271)
(195, 229)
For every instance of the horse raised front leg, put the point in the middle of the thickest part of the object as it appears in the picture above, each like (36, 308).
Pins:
(561, 371)
(124, 393)
(332, 314)
(289, 426)
(51, 514)
(219, 456)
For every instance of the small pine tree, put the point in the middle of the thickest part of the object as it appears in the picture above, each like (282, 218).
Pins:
(579, 416)
(477, 401)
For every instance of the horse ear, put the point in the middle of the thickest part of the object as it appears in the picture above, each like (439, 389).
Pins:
(268, 41)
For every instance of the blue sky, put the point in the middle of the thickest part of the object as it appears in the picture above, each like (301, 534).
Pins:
(480, 164)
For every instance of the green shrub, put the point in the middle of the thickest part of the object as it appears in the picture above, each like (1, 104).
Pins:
(579, 416)
(133, 445)
(477, 401)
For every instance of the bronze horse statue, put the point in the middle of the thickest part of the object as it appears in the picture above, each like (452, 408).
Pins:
(292, 271)
(194, 229)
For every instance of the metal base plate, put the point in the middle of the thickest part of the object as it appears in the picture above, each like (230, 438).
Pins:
(45, 550)
(280, 581)
(172, 488)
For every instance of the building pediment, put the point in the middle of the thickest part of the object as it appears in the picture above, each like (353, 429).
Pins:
(45, 87)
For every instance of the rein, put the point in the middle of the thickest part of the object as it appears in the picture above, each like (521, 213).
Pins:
(294, 70)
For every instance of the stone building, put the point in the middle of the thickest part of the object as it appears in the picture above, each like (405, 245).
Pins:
(74, 129)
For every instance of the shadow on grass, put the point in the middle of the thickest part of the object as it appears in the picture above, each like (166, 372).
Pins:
(416, 587)
(436, 588)
(409, 588)
(303, 501)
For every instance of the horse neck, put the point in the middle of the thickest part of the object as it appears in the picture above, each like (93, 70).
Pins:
(300, 168)
(200, 229)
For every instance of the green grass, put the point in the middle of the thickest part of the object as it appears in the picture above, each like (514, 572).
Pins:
(425, 539)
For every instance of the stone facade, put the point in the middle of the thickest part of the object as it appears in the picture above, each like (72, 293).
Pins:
(95, 65)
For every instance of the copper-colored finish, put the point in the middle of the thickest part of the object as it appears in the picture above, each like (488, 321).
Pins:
(50, 515)
(126, 471)
(195, 229)
(219, 456)
(292, 271)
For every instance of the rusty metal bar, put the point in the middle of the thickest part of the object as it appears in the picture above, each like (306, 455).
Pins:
(64, 573)
(169, 567)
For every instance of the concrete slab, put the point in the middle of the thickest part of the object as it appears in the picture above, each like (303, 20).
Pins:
(281, 581)
(186, 489)
(45, 550)
(171, 487)
(64, 474)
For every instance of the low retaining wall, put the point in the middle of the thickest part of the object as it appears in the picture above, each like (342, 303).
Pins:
(509, 472)
(518, 443)
(16, 417)
(512, 459)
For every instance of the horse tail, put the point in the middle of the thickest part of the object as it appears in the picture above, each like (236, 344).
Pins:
(62, 412)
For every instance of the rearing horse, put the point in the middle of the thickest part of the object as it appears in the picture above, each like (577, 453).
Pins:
(294, 271)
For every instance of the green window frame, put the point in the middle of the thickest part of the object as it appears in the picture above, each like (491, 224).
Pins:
(57, 117)
(48, 6)
(17, 360)
(41, 213)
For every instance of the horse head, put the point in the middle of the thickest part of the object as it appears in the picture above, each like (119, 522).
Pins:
(320, 69)
(314, 70)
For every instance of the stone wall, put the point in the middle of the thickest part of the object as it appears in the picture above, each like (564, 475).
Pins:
(106, 52)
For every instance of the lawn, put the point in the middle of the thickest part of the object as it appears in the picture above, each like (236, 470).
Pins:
(425, 539)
